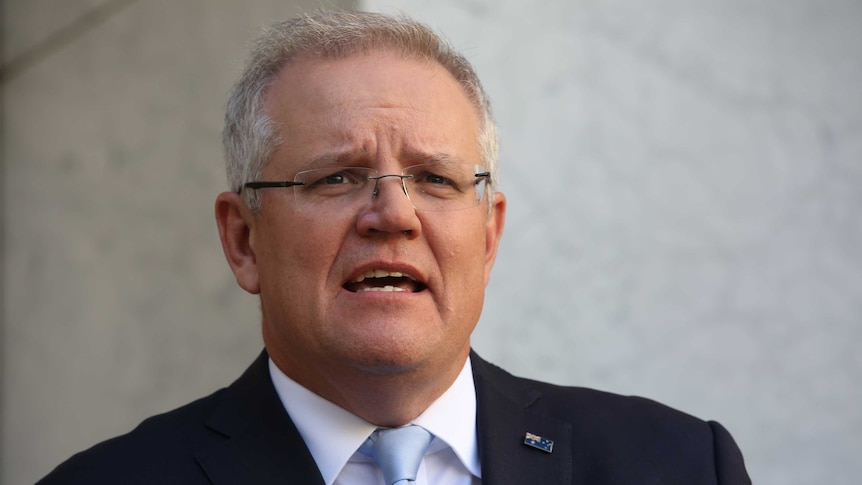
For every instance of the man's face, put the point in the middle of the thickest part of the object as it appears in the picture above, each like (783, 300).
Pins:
(386, 112)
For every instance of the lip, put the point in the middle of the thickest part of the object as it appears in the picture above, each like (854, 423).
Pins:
(406, 269)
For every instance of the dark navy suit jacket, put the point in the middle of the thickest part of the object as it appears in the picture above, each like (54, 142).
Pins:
(243, 435)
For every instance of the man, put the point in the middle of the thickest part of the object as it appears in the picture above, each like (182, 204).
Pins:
(362, 158)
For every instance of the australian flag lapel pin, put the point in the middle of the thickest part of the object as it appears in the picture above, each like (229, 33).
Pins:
(539, 443)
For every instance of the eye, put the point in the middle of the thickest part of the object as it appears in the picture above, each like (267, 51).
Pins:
(330, 178)
(434, 179)
(335, 179)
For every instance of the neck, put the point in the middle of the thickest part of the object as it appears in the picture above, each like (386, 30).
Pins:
(384, 398)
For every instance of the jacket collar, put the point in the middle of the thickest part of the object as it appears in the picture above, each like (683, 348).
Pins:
(503, 419)
(264, 446)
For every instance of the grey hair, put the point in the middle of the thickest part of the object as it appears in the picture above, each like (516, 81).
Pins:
(249, 134)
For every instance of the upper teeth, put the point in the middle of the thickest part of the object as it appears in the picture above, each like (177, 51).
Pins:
(380, 273)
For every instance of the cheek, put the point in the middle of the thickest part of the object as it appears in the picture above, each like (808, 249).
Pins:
(296, 254)
(460, 249)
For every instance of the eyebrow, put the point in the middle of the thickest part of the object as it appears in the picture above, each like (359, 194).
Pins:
(357, 158)
(334, 159)
(438, 157)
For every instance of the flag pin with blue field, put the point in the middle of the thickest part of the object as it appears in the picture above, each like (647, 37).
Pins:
(539, 443)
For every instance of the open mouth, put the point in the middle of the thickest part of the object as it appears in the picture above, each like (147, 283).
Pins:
(382, 280)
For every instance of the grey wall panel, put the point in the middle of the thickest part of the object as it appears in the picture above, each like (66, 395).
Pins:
(684, 209)
(119, 301)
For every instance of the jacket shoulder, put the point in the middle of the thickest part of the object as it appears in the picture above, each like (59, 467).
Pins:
(576, 401)
(159, 450)
(617, 438)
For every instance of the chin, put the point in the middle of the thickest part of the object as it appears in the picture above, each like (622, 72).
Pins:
(391, 358)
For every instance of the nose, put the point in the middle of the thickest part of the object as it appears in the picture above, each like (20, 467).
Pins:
(389, 210)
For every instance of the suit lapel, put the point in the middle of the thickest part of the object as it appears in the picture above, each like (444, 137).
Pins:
(262, 444)
(503, 419)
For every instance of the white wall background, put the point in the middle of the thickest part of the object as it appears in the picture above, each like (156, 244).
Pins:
(684, 213)
(118, 300)
(685, 209)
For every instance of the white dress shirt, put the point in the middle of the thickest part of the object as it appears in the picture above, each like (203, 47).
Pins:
(333, 435)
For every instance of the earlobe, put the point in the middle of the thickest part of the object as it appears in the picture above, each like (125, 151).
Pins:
(234, 220)
(493, 232)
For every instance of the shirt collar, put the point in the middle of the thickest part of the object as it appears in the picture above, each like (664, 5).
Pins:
(332, 434)
(452, 420)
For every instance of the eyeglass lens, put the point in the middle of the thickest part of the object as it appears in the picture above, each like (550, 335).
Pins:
(430, 187)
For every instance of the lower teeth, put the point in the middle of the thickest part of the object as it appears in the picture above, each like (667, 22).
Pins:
(384, 288)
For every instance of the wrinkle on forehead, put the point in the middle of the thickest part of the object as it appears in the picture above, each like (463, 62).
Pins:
(364, 158)
(366, 111)
(313, 71)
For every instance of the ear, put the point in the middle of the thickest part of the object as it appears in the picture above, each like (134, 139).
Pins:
(235, 222)
(493, 231)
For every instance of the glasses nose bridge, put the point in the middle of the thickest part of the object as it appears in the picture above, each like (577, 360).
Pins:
(376, 190)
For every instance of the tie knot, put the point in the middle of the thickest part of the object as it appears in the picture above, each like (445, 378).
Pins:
(398, 451)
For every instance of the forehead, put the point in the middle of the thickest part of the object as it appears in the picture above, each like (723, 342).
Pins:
(370, 103)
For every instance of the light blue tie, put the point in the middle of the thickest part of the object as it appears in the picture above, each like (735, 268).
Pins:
(398, 451)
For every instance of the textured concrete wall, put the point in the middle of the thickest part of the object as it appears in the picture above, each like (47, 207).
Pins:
(683, 178)
(118, 301)
(684, 186)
